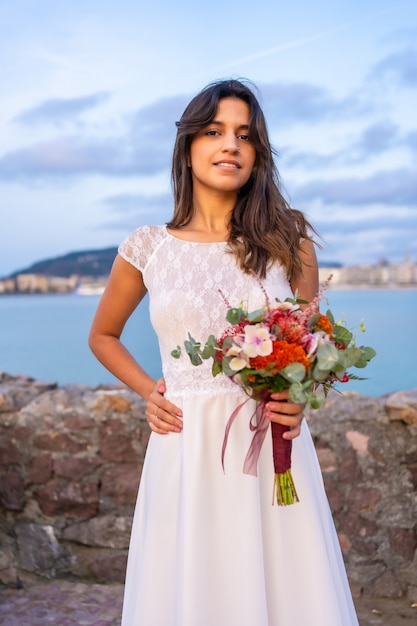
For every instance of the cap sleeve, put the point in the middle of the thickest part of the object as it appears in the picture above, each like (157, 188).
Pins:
(139, 246)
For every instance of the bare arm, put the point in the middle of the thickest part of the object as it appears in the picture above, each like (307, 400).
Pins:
(307, 284)
(124, 291)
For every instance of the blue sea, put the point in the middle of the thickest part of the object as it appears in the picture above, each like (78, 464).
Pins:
(45, 337)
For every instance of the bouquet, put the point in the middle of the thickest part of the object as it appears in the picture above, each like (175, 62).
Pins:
(279, 347)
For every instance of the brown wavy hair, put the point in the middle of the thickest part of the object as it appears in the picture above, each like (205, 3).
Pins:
(263, 228)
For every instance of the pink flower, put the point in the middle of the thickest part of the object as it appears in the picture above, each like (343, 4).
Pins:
(257, 341)
(238, 360)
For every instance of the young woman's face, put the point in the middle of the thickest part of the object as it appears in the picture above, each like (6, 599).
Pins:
(222, 155)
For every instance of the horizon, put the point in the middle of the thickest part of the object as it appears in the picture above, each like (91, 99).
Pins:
(94, 90)
(321, 263)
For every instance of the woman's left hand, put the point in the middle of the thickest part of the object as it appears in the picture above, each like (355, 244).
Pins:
(282, 410)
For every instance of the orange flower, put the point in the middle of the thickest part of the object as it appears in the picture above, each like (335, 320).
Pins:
(324, 324)
(283, 353)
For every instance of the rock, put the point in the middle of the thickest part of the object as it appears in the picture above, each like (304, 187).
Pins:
(403, 541)
(59, 442)
(68, 498)
(40, 469)
(39, 550)
(402, 405)
(363, 500)
(71, 460)
(349, 469)
(109, 402)
(111, 569)
(116, 447)
(108, 531)
(327, 460)
(9, 454)
(75, 467)
(17, 392)
(385, 586)
(121, 483)
(12, 490)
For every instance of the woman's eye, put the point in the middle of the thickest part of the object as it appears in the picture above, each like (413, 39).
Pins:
(212, 133)
(244, 137)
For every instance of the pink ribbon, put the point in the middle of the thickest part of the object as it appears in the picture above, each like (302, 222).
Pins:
(260, 426)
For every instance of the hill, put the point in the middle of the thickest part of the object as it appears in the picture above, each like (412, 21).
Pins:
(91, 263)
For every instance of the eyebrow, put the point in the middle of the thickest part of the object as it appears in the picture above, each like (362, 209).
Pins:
(220, 123)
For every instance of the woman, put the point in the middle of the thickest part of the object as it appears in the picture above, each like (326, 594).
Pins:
(207, 547)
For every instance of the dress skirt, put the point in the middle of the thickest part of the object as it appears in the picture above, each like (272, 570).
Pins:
(209, 547)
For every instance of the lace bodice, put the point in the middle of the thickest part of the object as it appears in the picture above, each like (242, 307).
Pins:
(183, 279)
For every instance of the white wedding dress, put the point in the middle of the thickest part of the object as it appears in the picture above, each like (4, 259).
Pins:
(208, 548)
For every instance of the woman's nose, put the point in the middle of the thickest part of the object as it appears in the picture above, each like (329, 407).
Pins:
(231, 143)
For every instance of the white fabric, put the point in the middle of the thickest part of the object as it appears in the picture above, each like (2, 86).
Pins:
(208, 548)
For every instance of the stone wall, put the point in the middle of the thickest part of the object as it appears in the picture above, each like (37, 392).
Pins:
(70, 464)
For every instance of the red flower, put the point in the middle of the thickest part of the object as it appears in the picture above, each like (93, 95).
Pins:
(289, 325)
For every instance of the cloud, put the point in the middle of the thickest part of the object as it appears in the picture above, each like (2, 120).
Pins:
(59, 110)
(134, 202)
(377, 138)
(394, 187)
(162, 112)
(401, 66)
(305, 102)
(82, 156)
(373, 140)
(368, 245)
(131, 210)
(144, 149)
(411, 140)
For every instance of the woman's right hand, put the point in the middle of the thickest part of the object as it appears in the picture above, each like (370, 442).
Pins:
(162, 416)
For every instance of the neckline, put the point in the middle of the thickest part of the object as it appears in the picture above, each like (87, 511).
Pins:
(199, 243)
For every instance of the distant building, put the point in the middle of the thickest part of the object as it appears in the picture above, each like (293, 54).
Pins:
(38, 283)
(382, 275)
(362, 276)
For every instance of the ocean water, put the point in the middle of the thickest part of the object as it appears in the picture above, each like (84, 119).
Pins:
(45, 336)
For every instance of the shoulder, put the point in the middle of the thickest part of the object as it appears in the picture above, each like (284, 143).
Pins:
(140, 244)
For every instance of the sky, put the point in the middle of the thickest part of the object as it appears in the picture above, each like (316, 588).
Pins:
(91, 90)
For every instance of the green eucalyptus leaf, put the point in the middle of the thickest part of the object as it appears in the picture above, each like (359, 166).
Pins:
(327, 356)
(297, 393)
(312, 322)
(235, 315)
(209, 349)
(294, 373)
(350, 356)
(256, 316)
(342, 335)
(316, 400)
(216, 368)
(368, 353)
(339, 368)
(331, 317)
(227, 343)
(319, 374)
(192, 348)
(176, 353)
(195, 358)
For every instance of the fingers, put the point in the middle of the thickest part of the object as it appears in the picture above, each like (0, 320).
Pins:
(280, 409)
(162, 416)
